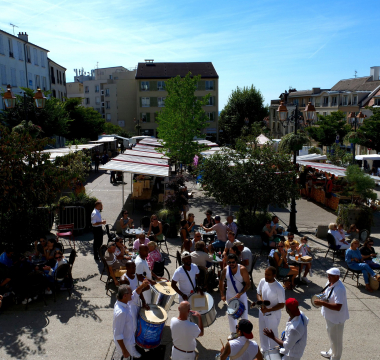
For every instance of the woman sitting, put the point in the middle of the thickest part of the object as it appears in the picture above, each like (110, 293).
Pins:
(354, 261)
(154, 255)
(282, 265)
(126, 222)
(50, 270)
(121, 251)
(190, 223)
(368, 253)
(50, 250)
(184, 232)
(271, 234)
(340, 241)
(155, 228)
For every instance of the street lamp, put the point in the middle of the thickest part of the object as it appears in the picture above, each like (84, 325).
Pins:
(39, 99)
(299, 120)
(9, 99)
(355, 120)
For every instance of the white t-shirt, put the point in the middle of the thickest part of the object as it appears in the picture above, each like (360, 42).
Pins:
(142, 267)
(133, 283)
(338, 296)
(295, 336)
(182, 280)
(200, 258)
(238, 343)
(184, 333)
(247, 255)
(229, 245)
(274, 292)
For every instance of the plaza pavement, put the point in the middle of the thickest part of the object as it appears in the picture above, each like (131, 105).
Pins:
(81, 327)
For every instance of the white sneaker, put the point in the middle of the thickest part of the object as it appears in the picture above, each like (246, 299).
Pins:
(48, 292)
(232, 336)
(136, 354)
(326, 354)
(306, 280)
(310, 273)
(25, 301)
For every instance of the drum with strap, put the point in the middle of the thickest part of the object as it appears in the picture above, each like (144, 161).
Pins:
(205, 305)
(163, 294)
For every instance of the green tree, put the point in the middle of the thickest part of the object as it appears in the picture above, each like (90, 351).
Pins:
(85, 122)
(362, 183)
(53, 118)
(182, 119)
(110, 129)
(246, 102)
(337, 155)
(371, 130)
(328, 127)
(314, 150)
(293, 142)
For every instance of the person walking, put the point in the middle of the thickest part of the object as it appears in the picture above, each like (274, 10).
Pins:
(97, 222)
(335, 311)
(97, 161)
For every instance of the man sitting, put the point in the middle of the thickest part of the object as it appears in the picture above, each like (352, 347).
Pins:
(231, 225)
(113, 263)
(142, 240)
(245, 255)
(290, 239)
(199, 256)
(271, 234)
(189, 245)
(221, 234)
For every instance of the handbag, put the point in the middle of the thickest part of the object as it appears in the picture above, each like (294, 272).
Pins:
(373, 283)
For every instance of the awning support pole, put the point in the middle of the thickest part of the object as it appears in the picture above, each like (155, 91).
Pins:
(122, 201)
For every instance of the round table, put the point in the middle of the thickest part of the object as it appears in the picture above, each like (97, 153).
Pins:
(209, 234)
(300, 263)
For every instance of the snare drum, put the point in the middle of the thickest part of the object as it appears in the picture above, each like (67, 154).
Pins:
(163, 295)
(272, 354)
(150, 325)
(204, 304)
(235, 309)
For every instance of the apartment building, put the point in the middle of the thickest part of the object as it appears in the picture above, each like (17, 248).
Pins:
(22, 64)
(57, 80)
(75, 90)
(349, 95)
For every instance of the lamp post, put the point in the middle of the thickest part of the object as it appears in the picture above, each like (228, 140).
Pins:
(298, 119)
(9, 99)
(355, 120)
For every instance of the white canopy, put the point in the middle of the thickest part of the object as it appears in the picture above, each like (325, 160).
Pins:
(368, 157)
(262, 140)
(151, 142)
(331, 169)
(145, 154)
(57, 152)
(104, 140)
(141, 160)
(136, 168)
(311, 157)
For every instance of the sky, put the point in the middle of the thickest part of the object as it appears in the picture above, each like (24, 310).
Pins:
(270, 44)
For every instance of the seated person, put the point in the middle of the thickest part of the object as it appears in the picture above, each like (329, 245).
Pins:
(275, 222)
(341, 231)
(141, 240)
(5, 279)
(245, 255)
(290, 239)
(39, 248)
(154, 255)
(231, 225)
(340, 240)
(355, 261)
(190, 223)
(155, 228)
(236, 251)
(6, 257)
(353, 232)
(126, 222)
(189, 245)
(183, 232)
(121, 251)
(271, 234)
(230, 242)
(113, 263)
(199, 256)
(280, 256)
(50, 271)
(368, 253)
(209, 221)
(304, 250)
(221, 234)
(50, 250)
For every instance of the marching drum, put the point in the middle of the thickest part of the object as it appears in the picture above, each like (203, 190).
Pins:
(150, 325)
(235, 309)
(163, 295)
(204, 304)
(317, 297)
(272, 354)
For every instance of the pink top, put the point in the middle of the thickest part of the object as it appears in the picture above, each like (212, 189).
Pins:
(153, 256)
(136, 244)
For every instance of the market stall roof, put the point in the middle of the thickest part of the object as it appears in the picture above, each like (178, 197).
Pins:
(331, 169)
(104, 140)
(206, 142)
(145, 154)
(131, 167)
(57, 152)
(145, 148)
(368, 157)
(312, 157)
(262, 139)
(151, 142)
(141, 160)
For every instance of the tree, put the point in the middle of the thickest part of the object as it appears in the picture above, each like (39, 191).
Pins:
(182, 119)
(328, 127)
(314, 150)
(252, 178)
(110, 129)
(293, 142)
(53, 118)
(337, 155)
(362, 183)
(246, 102)
(85, 122)
(371, 130)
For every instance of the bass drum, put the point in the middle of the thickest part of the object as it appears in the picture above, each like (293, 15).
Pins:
(204, 304)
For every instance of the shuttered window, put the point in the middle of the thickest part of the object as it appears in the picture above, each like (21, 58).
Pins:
(42, 59)
(2, 44)
(30, 80)
(19, 50)
(35, 56)
(3, 74)
(22, 78)
(13, 77)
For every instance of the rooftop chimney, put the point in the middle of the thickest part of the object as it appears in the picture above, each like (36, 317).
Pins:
(23, 36)
(375, 72)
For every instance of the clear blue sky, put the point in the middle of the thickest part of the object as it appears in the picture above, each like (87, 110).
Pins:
(268, 43)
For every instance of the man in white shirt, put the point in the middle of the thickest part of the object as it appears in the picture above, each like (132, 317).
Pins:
(125, 320)
(221, 234)
(231, 225)
(185, 284)
(335, 311)
(97, 222)
(184, 333)
(294, 341)
(269, 316)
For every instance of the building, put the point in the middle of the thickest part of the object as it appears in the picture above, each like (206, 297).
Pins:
(57, 77)
(349, 95)
(75, 90)
(22, 64)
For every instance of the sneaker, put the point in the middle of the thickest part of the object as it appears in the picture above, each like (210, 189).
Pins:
(26, 301)
(136, 354)
(232, 336)
(326, 354)
(48, 292)
(306, 280)
(310, 273)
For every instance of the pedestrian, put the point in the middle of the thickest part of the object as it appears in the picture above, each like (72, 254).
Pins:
(97, 161)
(104, 158)
(335, 311)
(112, 177)
(97, 222)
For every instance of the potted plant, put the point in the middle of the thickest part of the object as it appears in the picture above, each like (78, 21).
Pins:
(171, 214)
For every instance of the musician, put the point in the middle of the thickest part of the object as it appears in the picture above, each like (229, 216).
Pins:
(294, 341)
(125, 320)
(335, 311)
(242, 348)
(184, 333)
(237, 285)
(186, 277)
(269, 317)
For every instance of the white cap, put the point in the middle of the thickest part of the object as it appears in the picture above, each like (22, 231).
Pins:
(185, 254)
(333, 271)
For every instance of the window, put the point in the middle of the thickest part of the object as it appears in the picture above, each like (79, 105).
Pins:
(161, 101)
(354, 100)
(60, 78)
(87, 101)
(3, 74)
(110, 77)
(160, 85)
(377, 102)
(121, 123)
(54, 94)
(295, 101)
(86, 89)
(22, 78)
(325, 100)
(28, 57)
(145, 102)
(38, 85)
(2, 51)
(97, 88)
(334, 101)
(44, 83)
(344, 102)
(108, 117)
(97, 100)
(19, 50)
(10, 45)
(210, 116)
(35, 56)
(143, 117)
(64, 79)
(30, 80)
(209, 85)
(13, 77)
(211, 101)
(324, 113)
(144, 85)
(108, 104)
(107, 92)
(42, 58)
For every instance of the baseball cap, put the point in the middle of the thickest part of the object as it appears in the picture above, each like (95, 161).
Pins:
(292, 305)
(217, 217)
(245, 326)
(333, 271)
(185, 254)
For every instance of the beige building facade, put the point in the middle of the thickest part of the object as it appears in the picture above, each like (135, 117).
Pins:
(57, 77)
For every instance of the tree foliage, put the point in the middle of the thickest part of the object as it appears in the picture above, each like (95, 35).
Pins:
(337, 155)
(371, 130)
(362, 183)
(292, 142)
(110, 129)
(314, 150)
(328, 127)
(182, 119)
(246, 102)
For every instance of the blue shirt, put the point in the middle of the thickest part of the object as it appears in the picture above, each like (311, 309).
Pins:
(351, 254)
(4, 259)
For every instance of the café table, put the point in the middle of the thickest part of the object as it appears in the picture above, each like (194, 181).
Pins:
(209, 234)
(299, 263)
(215, 262)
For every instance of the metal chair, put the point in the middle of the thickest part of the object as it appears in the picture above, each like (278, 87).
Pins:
(363, 235)
(145, 223)
(105, 267)
(111, 235)
(254, 259)
(66, 231)
(159, 269)
(102, 251)
(332, 246)
(178, 261)
(165, 231)
(355, 273)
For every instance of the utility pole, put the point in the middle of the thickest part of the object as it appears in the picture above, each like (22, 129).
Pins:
(13, 27)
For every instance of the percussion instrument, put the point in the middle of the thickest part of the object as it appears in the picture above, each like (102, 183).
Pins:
(235, 308)
(217, 357)
(272, 354)
(163, 295)
(204, 304)
(258, 304)
(318, 297)
(150, 325)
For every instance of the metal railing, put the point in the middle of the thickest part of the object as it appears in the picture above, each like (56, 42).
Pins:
(65, 215)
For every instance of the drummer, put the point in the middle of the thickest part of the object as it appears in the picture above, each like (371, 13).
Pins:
(237, 285)
(186, 278)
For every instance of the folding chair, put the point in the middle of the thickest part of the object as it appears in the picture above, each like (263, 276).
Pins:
(332, 246)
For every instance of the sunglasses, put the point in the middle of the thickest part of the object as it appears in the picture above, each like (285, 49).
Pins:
(232, 262)
(155, 219)
(280, 246)
(125, 213)
(59, 257)
(290, 238)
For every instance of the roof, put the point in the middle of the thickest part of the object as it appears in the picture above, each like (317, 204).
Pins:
(170, 70)
(262, 139)
(305, 92)
(356, 84)
(311, 157)
(368, 157)
(26, 42)
(50, 60)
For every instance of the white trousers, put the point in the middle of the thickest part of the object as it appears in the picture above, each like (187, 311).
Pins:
(335, 334)
(270, 321)
(232, 322)
(179, 355)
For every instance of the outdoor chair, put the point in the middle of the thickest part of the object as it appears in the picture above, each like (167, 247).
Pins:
(60, 246)
(110, 235)
(72, 257)
(165, 231)
(355, 273)
(265, 244)
(363, 235)
(102, 251)
(332, 246)
(35, 284)
(66, 231)
(159, 269)
(178, 262)
(105, 267)
(254, 259)
(61, 274)
(145, 223)
(272, 262)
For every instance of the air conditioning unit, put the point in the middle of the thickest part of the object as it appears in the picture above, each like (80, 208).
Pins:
(101, 92)
(102, 104)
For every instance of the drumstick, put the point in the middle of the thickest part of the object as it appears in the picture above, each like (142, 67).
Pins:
(221, 342)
